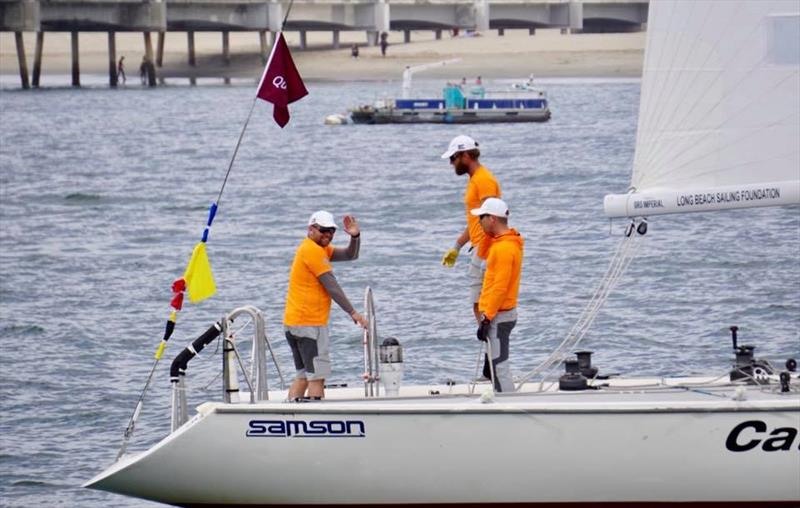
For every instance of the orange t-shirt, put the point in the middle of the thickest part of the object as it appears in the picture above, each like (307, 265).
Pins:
(307, 301)
(481, 185)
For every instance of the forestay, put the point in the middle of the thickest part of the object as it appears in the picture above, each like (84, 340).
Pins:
(719, 119)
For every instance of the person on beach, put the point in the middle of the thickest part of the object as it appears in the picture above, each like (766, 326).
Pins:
(384, 43)
(354, 51)
(121, 69)
(503, 249)
(143, 69)
(464, 156)
(312, 285)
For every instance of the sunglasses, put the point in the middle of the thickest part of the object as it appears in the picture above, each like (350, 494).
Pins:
(454, 157)
(324, 230)
(482, 216)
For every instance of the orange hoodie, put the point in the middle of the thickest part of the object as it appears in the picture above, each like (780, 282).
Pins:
(503, 269)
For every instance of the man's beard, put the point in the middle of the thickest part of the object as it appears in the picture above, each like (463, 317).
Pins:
(461, 168)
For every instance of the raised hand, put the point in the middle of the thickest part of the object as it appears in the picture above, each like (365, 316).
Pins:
(351, 225)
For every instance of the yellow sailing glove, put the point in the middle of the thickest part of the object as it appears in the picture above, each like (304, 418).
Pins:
(450, 257)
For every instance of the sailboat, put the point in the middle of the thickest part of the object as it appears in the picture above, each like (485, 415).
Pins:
(719, 128)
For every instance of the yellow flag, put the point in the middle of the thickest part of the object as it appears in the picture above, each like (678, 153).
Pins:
(198, 277)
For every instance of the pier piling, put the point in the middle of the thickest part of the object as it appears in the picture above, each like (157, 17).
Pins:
(160, 49)
(148, 51)
(76, 68)
(37, 58)
(23, 64)
(262, 39)
(112, 59)
(226, 53)
(190, 41)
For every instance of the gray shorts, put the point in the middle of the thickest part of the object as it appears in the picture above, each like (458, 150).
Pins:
(310, 347)
(475, 273)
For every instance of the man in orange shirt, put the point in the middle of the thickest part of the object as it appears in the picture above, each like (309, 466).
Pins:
(463, 153)
(503, 248)
(308, 302)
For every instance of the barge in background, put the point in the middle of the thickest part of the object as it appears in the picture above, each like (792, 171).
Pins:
(454, 108)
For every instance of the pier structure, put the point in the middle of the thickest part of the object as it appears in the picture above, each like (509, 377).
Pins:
(266, 17)
(75, 16)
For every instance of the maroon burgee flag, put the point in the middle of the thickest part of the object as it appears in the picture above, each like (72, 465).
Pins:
(281, 84)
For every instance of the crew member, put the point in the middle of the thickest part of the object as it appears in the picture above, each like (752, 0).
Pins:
(312, 285)
(503, 248)
(463, 153)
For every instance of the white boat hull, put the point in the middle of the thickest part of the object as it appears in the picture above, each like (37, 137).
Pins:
(668, 446)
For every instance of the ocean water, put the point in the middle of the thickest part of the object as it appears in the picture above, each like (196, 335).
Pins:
(103, 194)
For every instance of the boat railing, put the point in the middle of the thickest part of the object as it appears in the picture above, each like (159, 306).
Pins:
(370, 342)
(232, 363)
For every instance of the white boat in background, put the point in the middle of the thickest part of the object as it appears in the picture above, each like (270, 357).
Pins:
(719, 128)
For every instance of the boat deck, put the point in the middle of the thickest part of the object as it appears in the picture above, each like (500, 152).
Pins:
(614, 395)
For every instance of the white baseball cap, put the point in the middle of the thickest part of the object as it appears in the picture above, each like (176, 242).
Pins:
(323, 219)
(460, 144)
(492, 206)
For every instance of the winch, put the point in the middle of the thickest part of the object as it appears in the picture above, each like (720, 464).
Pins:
(390, 354)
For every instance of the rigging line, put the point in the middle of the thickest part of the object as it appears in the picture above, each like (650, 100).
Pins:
(235, 151)
(242, 368)
(598, 291)
(285, 18)
(604, 288)
(619, 263)
(649, 128)
(675, 34)
(625, 260)
(662, 168)
(612, 284)
(692, 108)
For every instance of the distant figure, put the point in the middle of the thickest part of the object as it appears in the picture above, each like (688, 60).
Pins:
(454, 32)
(384, 43)
(463, 84)
(143, 70)
(478, 91)
(354, 51)
(121, 69)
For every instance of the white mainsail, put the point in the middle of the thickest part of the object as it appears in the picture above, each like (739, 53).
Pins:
(719, 119)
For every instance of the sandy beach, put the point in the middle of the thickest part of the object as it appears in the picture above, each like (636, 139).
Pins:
(514, 55)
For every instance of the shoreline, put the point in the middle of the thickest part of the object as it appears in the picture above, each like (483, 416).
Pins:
(548, 54)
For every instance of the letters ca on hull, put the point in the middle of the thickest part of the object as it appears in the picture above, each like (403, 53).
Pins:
(757, 435)
(306, 428)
